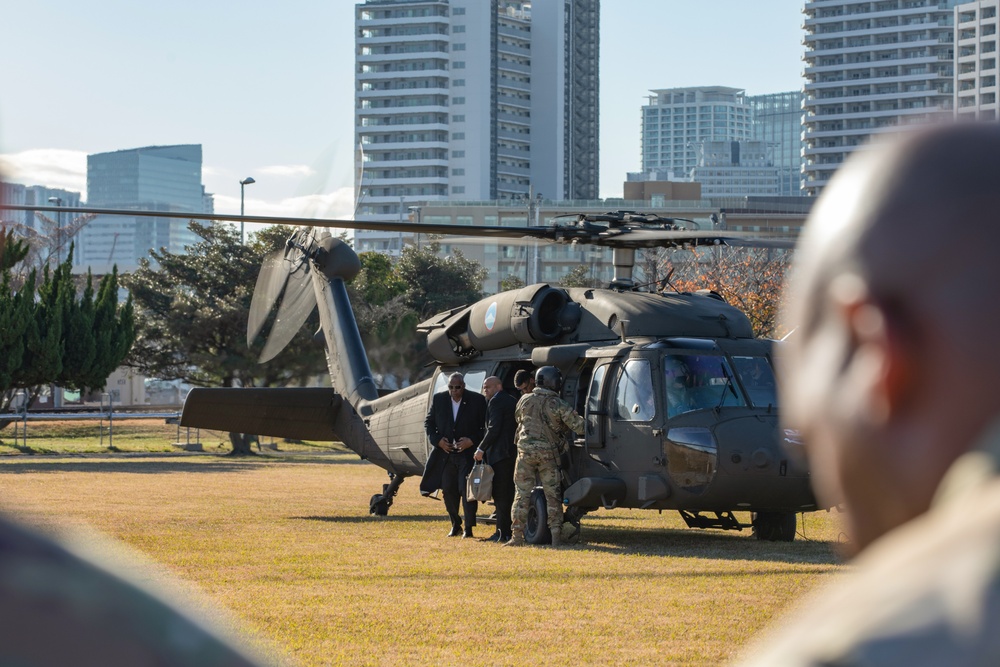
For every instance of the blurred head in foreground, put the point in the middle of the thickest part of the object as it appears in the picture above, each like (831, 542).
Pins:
(891, 374)
(891, 378)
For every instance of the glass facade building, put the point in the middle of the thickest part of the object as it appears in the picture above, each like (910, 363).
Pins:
(154, 178)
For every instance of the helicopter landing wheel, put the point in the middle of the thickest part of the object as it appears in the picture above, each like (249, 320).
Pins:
(379, 505)
(774, 526)
(536, 528)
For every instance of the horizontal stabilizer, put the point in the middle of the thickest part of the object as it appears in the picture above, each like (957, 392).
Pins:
(294, 413)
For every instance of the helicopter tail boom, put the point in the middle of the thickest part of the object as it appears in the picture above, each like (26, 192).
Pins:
(300, 414)
(311, 413)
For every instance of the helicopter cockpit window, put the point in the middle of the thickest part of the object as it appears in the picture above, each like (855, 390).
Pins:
(757, 377)
(699, 382)
(634, 397)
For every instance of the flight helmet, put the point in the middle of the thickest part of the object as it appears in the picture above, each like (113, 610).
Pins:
(549, 377)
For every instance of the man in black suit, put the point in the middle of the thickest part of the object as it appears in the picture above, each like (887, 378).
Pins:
(454, 425)
(500, 452)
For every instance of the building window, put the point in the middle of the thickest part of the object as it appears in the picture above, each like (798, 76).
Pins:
(458, 82)
(459, 28)
(458, 64)
(458, 100)
(458, 172)
(458, 11)
(458, 135)
(458, 153)
(458, 47)
(458, 118)
(458, 190)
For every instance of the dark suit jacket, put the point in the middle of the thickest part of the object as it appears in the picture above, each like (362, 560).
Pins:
(498, 443)
(440, 423)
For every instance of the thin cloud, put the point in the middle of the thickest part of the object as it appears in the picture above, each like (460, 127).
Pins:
(287, 171)
(51, 167)
(337, 204)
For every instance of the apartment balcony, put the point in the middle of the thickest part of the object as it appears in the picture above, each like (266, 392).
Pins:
(365, 125)
(376, 148)
(374, 165)
(403, 39)
(514, 119)
(401, 93)
(363, 77)
(373, 23)
(375, 58)
(850, 34)
(513, 171)
(515, 102)
(508, 66)
(372, 180)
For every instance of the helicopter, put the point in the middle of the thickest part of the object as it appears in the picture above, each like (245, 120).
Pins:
(678, 395)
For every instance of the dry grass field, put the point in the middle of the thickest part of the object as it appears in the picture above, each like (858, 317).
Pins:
(285, 543)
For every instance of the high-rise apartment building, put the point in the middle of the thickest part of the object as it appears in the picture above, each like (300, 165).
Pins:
(475, 100)
(870, 67)
(777, 121)
(154, 178)
(677, 120)
(976, 59)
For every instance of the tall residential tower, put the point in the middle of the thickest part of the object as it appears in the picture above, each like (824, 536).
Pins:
(871, 66)
(475, 100)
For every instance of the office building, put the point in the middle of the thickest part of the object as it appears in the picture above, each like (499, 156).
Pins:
(976, 60)
(474, 100)
(871, 67)
(736, 169)
(153, 178)
(777, 121)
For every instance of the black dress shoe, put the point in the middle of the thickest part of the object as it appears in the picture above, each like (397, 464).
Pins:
(455, 531)
(504, 538)
(467, 533)
(495, 537)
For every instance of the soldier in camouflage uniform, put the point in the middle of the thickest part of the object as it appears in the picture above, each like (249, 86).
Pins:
(543, 420)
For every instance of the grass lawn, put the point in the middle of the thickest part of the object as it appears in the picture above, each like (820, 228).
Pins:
(285, 543)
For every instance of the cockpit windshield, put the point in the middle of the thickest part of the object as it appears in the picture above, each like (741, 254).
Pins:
(757, 378)
(699, 382)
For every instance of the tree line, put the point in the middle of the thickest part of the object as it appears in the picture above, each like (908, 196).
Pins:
(54, 328)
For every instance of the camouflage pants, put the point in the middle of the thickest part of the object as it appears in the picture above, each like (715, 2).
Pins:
(542, 463)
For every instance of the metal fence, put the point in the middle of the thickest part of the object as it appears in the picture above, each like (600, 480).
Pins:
(105, 412)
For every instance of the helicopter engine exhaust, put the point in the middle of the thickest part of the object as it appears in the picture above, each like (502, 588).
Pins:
(534, 315)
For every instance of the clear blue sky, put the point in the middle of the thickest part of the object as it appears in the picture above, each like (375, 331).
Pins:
(267, 87)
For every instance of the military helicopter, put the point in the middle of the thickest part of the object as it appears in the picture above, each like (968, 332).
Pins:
(678, 395)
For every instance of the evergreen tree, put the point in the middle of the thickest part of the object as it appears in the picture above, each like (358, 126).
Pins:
(192, 317)
(435, 283)
(50, 334)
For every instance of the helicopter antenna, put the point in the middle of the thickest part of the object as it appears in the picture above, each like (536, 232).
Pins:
(623, 330)
(665, 281)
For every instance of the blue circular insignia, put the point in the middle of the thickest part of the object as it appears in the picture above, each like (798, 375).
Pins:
(491, 316)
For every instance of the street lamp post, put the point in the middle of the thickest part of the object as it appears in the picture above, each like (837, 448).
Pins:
(58, 202)
(245, 182)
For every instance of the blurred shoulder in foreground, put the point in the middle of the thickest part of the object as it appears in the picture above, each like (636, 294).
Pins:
(62, 606)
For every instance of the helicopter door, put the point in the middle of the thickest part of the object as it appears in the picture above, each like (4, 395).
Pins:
(634, 414)
(596, 413)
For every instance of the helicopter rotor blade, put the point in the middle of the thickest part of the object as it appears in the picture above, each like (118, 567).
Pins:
(270, 283)
(620, 229)
(297, 302)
